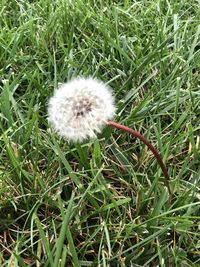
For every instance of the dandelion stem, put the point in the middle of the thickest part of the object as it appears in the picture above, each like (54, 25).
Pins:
(150, 146)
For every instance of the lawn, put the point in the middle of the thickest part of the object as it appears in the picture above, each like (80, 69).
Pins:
(102, 202)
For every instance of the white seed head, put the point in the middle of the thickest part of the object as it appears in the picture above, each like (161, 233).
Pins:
(80, 108)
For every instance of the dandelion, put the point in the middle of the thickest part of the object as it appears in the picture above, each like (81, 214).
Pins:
(82, 107)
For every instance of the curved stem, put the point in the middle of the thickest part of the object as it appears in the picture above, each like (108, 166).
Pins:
(150, 146)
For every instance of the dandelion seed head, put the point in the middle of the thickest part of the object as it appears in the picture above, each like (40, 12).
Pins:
(80, 108)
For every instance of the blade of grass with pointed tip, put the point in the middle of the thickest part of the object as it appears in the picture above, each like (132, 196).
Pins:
(66, 232)
(44, 241)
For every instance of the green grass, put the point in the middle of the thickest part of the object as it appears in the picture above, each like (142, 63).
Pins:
(103, 202)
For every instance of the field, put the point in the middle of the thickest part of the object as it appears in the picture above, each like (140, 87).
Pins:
(102, 202)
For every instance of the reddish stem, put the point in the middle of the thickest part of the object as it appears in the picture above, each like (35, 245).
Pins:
(150, 146)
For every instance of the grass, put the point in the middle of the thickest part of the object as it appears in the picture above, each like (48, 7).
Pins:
(103, 202)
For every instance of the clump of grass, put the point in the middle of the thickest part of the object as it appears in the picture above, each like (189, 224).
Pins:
(101, 203)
